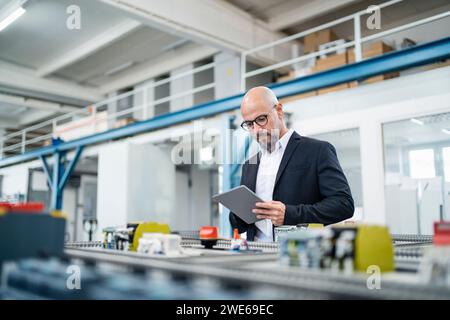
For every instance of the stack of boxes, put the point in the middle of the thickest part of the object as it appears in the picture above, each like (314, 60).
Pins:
(331, 62)
(313, 41)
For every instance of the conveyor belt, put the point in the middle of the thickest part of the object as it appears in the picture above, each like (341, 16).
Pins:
(412, 238)
(408, 251)
(292, 282)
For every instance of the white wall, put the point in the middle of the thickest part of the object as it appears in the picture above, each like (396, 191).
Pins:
(135, 183)
(193, 207)
(151, 185)
(15, 180)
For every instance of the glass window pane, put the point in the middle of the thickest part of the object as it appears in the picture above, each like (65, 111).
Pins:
(421, 164)
(347, 146)
(414, 173)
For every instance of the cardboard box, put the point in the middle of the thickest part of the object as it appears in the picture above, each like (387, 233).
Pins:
(436, 65)
(382, 77)
(123, 122)
(289, 76)
(312, 41)
(298, 97)
(330, 62)
(333, 89)
(374, 49)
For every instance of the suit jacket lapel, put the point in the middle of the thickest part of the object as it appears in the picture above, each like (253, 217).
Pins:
(252, 172)
(293, 143)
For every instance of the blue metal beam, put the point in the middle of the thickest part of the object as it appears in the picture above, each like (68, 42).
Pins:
(390, 62)
(56, 198)
(69, 169)
(46, 171)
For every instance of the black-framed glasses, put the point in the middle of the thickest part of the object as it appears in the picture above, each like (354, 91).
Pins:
(260, 120)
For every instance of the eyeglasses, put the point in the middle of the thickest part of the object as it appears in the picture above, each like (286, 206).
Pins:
(260, 120)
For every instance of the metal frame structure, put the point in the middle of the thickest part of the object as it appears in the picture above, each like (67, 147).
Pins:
(57, 179)
(395, 61)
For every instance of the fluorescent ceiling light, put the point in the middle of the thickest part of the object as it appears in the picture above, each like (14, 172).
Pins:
(446, 131)
(119, 68)
(174, 45)
(10, 18)
(417, 121)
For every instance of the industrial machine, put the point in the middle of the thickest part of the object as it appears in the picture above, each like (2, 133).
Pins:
(311, 263)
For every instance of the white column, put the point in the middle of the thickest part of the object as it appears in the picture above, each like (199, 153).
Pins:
(112, 183)
(144, 98)
(372, 171)
(2, 145)
(227, 74)
(135, 183)
(181, 85)
(151, 185)
(112, 108)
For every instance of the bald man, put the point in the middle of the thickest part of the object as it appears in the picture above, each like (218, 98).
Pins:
(299, 178)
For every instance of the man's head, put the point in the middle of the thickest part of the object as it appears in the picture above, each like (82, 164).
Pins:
(263, 116)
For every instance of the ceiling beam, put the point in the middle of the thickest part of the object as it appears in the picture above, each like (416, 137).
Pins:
(303, 12)
(35, 116)
(17, 77)
(163, 64)
(214, 23)
(35, 103)
(8, 123)
(88, 48)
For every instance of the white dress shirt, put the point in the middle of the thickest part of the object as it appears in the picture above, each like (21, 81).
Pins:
(265, 183)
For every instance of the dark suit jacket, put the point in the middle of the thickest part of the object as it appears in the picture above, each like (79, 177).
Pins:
(309, 181)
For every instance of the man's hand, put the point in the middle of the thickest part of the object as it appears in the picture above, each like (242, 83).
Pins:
(273, 210)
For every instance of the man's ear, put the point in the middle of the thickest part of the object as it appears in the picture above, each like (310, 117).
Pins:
(279, 109)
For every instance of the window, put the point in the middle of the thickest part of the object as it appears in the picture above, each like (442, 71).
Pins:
(416, 161)
(421, 164)
(347, 146)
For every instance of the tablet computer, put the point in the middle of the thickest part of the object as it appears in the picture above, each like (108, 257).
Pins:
(241, 201)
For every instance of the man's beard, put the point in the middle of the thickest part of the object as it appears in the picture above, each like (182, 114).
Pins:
(267, 140)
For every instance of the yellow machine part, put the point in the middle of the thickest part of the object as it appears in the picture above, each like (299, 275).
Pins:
(315, 225)
(147, 227)
(58, 214)
(373, 245)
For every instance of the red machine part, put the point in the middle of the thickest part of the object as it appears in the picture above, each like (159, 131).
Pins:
(26, 207)
(209, 233)
(236, 234)
(441, 233)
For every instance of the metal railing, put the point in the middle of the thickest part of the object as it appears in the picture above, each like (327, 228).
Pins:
(356, 43)
(93, 113)
(98, 113)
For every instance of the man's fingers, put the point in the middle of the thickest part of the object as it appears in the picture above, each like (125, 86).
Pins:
(265, 211)
(267, 205)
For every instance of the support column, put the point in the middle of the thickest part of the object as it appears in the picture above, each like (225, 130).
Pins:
(180, 85)
(112, 108)
(59, 176)
(227, 74)
(372, 171)
(2, 145)
(225, 175)
(144, 98)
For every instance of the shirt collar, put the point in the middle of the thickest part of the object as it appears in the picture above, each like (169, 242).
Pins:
(281, 143)
(284, 139)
